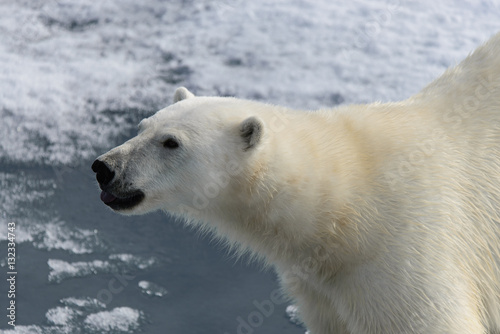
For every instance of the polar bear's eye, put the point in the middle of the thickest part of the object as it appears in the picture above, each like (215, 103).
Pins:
(170, 143)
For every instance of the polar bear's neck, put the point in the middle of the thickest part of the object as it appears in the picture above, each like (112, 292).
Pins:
(307, 186)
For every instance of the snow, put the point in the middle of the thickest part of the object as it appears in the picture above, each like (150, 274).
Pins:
(61, 315)
(60, 270)
(133, 260)
(29, 330)
(293, 314)
(152, 289)
(118, 263)
(75, 74)
(84, 304)
(120, 319)
(58, 235)
(85, 316)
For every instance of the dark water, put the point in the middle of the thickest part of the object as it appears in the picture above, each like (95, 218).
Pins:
(208, 292)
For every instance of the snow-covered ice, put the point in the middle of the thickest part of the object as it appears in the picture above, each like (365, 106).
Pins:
(60, 235)
(61, 316)
(82, 316)
(76, 74)
(292, 312)
(118, 320)
(117, 263)
(152, 289)
(83, 304)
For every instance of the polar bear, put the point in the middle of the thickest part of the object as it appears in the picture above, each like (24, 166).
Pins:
(379, 218)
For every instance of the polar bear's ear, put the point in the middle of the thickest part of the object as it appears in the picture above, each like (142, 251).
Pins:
(182, 93)
(251, 131)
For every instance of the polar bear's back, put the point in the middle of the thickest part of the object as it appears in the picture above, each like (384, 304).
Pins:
(463, 113)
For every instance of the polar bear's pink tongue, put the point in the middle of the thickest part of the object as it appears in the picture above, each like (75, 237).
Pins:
(107, 197)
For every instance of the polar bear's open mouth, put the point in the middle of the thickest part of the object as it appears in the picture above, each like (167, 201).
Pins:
(122, 202)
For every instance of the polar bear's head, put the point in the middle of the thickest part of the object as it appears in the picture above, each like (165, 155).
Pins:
(186, 157)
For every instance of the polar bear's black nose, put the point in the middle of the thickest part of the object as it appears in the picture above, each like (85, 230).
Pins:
(103, 174)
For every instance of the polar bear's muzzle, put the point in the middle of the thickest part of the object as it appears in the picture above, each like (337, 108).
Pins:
(112, 193)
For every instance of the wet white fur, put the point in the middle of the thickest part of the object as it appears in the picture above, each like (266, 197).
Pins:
(380, 218)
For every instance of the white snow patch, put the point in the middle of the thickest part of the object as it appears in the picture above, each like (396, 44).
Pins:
(58, 235)
(84, 303)
(81, 316)
(292, 312)
(61, 316)
(60, 270)
(152, 289)
(31, 329)
(133, 260)
(118, 263)
(120, 319)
